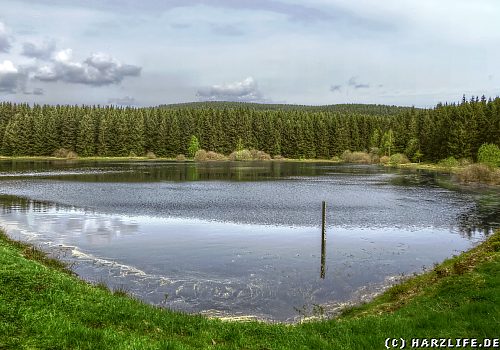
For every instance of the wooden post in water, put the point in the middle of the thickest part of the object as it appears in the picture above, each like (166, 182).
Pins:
(323, 239)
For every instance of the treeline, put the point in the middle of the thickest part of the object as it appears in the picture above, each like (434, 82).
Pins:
(447, 130)
(349, 108)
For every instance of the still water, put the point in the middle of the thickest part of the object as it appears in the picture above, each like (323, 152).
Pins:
(242, 239)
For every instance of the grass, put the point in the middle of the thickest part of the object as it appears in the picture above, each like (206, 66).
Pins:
(470, 173)
(44, 306)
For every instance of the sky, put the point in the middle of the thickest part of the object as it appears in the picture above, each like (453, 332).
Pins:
(151, 52)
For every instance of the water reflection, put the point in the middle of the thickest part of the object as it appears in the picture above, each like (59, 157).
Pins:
(242, 244)
(266, 271)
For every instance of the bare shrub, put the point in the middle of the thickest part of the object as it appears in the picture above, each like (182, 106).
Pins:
(399, 158)
(384, 160)
(200, 155)
(479, 173)
(180, 157)
(150, 155)
(278, 157)
(215, 156)
(356, 157)
(71, 155)
(261, 155)
(60, 153)
(132, 154)
(254, 153)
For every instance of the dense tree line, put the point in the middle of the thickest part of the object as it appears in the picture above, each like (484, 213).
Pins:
(369, 109)
(456, 130)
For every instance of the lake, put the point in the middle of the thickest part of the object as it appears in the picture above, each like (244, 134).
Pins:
(236, 239)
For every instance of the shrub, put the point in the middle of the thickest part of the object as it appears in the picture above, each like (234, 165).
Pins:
(479, 173)
(449, 162)
(150, 155)
(200, 155)
(194, 146)
(399, 158)
(261, 155)
(180, 157)
(356, 157)
(384, 160)
(60, 153)
(71, 155)
(254, 152)
(215, 156)
(464, 161)
(132, 154)
(278, 157)
(241, 155)
(489, 154)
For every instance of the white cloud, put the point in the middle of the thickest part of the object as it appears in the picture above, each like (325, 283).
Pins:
(97, 70)
(10, 77)
(240, 91)
(4, 39)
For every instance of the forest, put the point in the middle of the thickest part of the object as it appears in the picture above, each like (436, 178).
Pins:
(448, 130)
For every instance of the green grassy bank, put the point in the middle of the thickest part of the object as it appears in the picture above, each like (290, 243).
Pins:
(43, 306)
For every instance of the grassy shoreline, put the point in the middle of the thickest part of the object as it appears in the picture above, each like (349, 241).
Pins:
(44, 306)
(131, 159)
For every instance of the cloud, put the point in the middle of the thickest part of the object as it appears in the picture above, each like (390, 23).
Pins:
(229, 30)
(42, 51)
(240, 91)
(38, 91)
(4, 39)
(11, 77)
(97, 70)
(293, 11)
(124, 101)
(335, 88)
(355, 84)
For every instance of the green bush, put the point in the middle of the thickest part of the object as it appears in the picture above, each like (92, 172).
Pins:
(399, 158)
(241, 155)
(489, 154)
(194, 146)
(449, 162)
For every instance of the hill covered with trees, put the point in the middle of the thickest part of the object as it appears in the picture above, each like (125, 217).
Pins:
(456, 130)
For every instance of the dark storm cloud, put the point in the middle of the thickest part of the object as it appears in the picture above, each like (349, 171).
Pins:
(241, 91)
(97, 70)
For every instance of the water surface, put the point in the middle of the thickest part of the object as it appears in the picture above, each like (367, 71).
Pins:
(242, 238)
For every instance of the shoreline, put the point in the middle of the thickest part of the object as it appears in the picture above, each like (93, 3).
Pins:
(46, 288)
